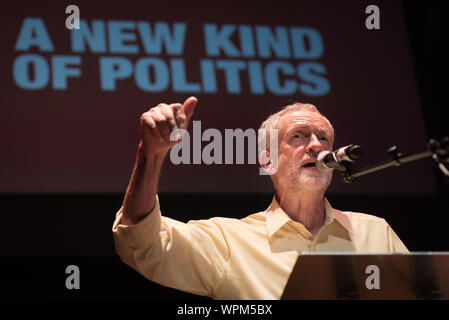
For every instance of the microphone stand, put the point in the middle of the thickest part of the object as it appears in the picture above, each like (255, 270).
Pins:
(426, 285)
(437, 150)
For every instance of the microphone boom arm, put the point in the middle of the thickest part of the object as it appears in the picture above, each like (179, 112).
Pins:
(438, 150)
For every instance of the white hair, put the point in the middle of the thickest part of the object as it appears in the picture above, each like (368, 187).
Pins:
(272, 121)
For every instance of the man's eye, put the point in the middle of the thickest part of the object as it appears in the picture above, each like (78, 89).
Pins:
(324, 138)
(298, 135)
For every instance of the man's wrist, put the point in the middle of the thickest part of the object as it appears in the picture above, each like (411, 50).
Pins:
(145, 152)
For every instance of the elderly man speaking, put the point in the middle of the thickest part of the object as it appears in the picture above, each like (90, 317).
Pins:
(250, 258)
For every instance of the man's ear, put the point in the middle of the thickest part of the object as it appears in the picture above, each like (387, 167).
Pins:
(267, 163)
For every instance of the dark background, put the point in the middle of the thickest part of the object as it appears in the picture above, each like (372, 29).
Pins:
(62, 229)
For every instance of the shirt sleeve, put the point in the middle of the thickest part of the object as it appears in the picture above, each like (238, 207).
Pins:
(395, 244)
(191, 257)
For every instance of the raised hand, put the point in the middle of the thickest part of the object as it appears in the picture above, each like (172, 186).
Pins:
(157, 124)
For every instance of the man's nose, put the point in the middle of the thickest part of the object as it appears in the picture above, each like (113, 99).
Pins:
(314, 144)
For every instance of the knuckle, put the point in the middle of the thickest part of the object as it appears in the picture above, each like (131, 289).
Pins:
(147, 124)
(159, 121)
(167, 112)
(154, 110)
(161, 106)
(143, 115)
(176, 107)
(164, 116)
(144, 118)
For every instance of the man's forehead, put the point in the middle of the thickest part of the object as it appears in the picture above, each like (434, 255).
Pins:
(303, 117)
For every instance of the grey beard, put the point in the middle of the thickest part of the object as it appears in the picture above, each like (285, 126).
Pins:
(299, 181)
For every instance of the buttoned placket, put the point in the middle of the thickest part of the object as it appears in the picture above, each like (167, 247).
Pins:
(302, 234)
(317, 237)
(309, 238)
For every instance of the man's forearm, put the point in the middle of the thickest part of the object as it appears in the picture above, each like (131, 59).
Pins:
(141, 193)
(156, 126)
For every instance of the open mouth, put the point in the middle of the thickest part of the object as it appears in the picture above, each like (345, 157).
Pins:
(309, 165)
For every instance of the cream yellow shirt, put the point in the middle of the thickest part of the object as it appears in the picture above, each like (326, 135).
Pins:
(250, 258)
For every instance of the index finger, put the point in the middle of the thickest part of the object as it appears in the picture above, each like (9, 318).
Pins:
(180, 116)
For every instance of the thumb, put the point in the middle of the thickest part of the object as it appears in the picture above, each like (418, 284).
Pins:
(189, 107)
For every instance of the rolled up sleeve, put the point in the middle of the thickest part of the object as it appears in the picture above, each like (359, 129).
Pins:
(193, 256)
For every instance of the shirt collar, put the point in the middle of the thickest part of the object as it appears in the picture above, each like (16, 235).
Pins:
(276, 217)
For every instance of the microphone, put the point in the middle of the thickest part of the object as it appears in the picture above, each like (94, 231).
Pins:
(338, 159)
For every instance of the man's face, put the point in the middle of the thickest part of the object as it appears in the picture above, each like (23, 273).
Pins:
(303, 134)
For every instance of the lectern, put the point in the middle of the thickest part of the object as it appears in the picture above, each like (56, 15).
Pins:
(332, 276)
